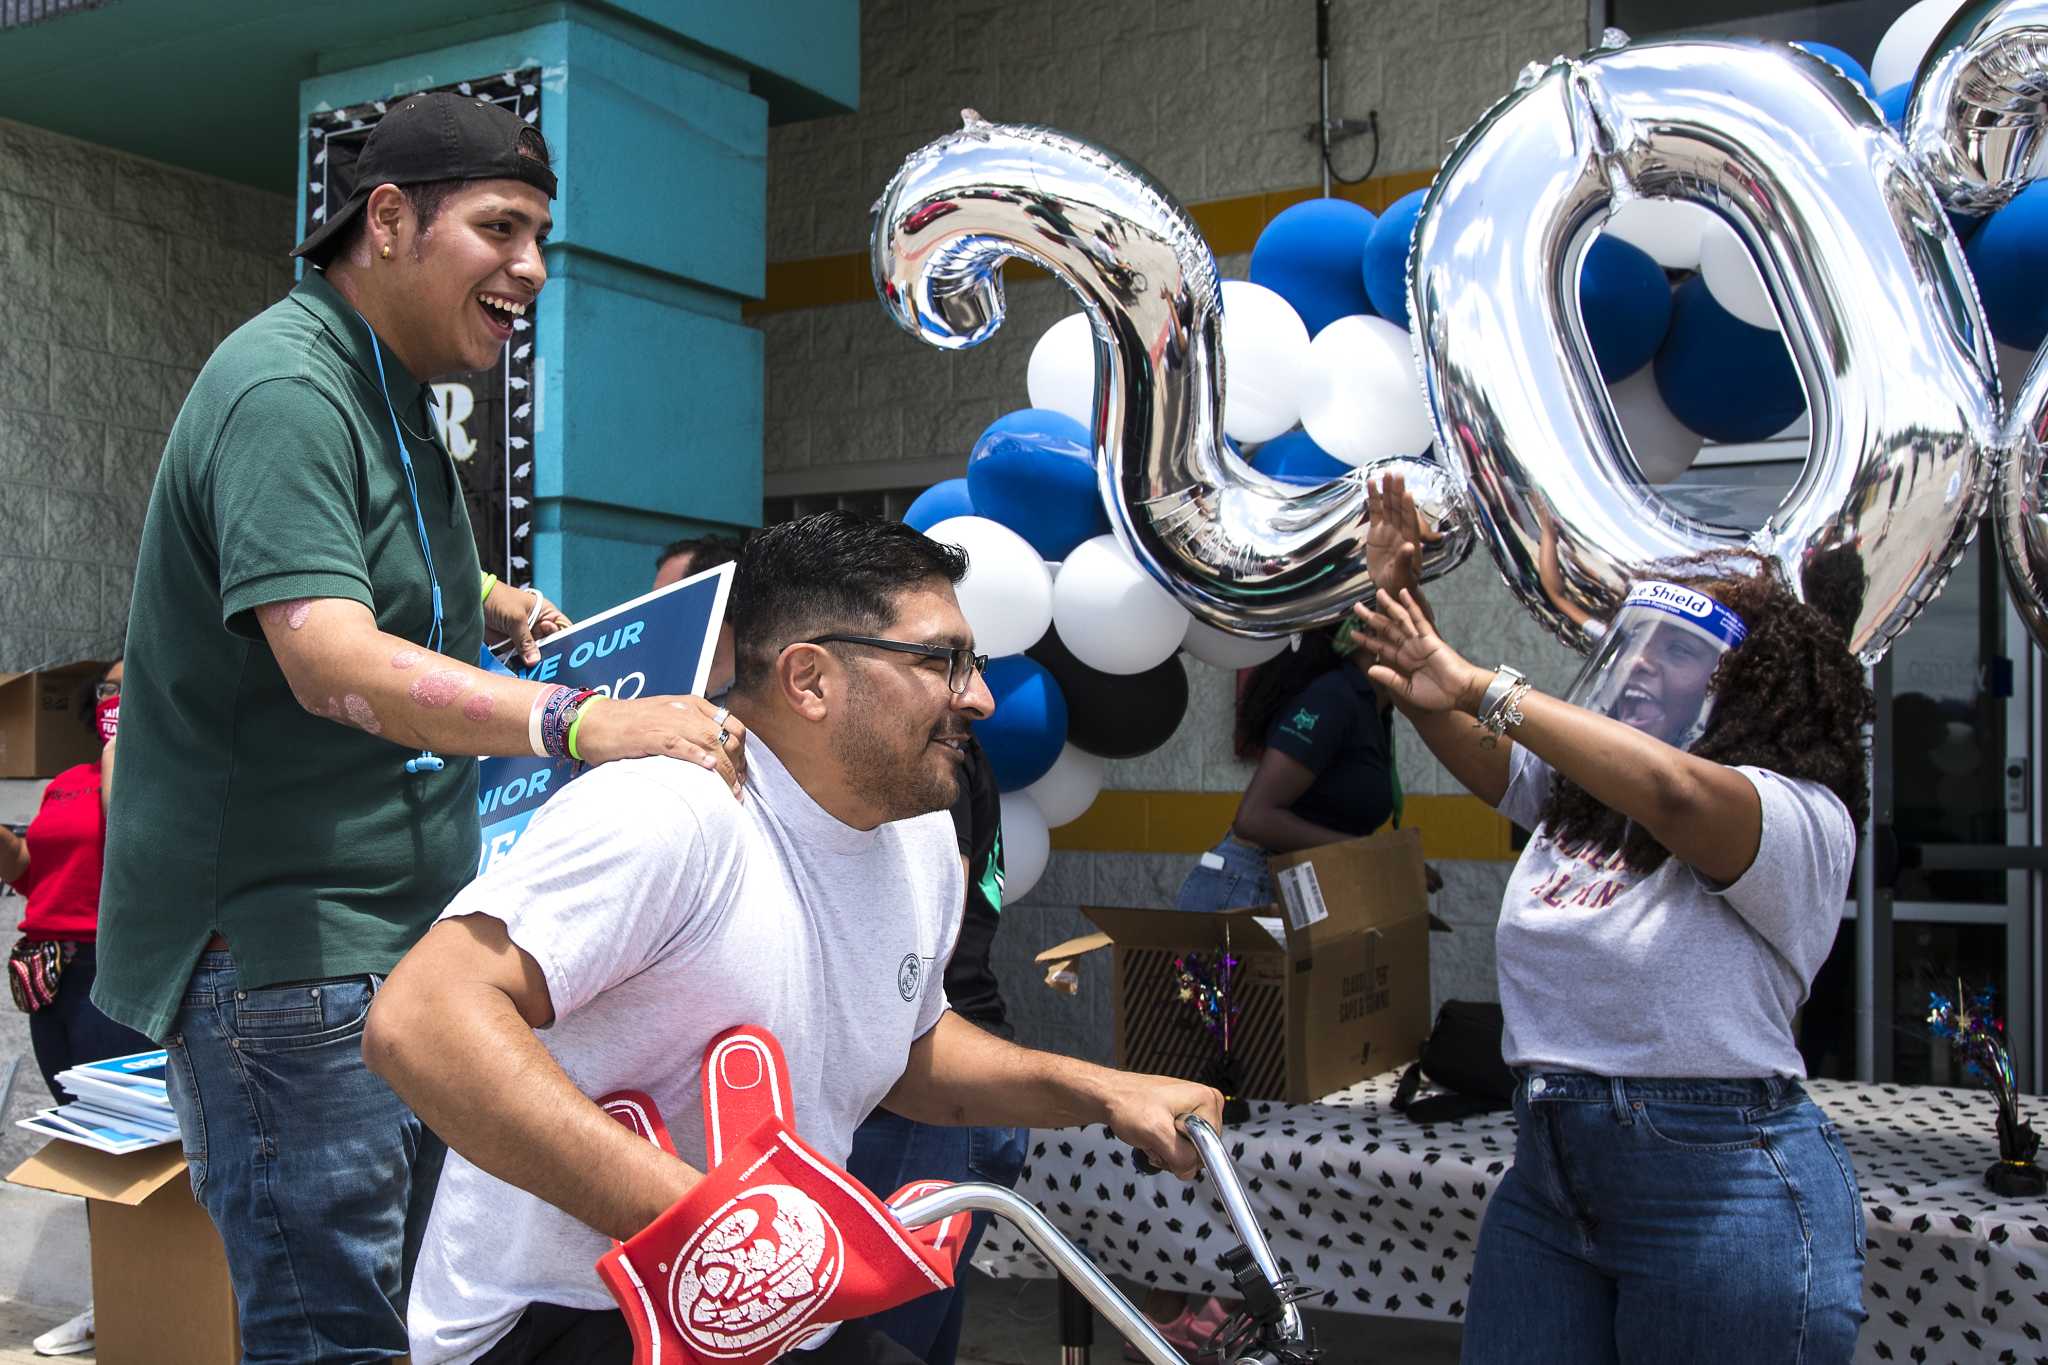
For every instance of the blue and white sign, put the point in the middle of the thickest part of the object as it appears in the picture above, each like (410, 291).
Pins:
(653, 646)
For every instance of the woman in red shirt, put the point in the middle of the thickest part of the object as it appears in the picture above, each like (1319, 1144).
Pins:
(57, 867)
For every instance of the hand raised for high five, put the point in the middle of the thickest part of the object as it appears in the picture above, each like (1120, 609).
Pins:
(1413, 661)
(1395, 537)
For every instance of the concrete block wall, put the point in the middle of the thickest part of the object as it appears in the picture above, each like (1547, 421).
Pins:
(118, 276)
(1213, 97)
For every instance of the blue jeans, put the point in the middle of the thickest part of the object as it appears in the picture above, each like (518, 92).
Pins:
(317, 1175)
(1671, 1221)
(889, 1152)
(71, 1031)
(1240, 879)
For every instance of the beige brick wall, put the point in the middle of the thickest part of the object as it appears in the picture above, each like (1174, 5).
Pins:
(117, 277)
(1213, 97)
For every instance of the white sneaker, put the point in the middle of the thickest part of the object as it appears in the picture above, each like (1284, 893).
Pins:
(67, 1340)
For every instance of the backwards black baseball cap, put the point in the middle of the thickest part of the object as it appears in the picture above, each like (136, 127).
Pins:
(437, 136)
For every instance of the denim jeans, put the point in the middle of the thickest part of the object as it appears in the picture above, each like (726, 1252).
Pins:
(317, 1175)
(889, 1152)
(71, 1031)
(1673, 1221)
(1240, 880)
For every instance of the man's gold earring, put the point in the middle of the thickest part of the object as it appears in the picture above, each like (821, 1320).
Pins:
(387, 251)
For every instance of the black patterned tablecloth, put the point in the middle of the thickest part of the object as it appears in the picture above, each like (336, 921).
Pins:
(1376, 1214)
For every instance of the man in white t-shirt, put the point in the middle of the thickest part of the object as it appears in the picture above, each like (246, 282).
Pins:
(644, 912)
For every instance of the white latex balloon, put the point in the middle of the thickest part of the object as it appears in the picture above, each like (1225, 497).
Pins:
(1110, 612)
(1733, 278)
(1265, 362)
(1362, 400)
(1066, 792)
(1664, 446)
(1221, 649)
(1669, 229)
(1007, 594)
(1027, 846)
(1905, 43)
(1061, 375)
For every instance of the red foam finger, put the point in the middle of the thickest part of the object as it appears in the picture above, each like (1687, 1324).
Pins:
(746, 1084)
(638, 1112)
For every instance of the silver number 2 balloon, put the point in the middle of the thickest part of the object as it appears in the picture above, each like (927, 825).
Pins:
(1242, 552)
(1878, 305)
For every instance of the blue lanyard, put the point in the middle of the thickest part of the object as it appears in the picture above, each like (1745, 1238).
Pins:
(427, 761)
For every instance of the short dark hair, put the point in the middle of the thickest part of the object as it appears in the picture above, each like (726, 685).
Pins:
(429, 197)
(705, 552)
(830, 571)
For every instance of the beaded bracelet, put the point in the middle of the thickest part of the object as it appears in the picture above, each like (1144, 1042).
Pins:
(557, 696)
(1506, 713)
(555, 718)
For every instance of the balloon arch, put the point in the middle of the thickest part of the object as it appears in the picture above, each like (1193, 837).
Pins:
(1636, 250)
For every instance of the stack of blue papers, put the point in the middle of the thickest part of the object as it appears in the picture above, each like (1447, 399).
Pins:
(120, 1105)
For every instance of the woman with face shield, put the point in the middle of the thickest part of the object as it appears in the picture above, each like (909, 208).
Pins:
(1693, 805)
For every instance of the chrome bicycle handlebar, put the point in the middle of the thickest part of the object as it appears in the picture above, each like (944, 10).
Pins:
(1066, 1258)
(1287, 1332)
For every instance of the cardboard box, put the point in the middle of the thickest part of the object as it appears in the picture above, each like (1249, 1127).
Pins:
(41, 733)
(1332, 987)
(160, 1288)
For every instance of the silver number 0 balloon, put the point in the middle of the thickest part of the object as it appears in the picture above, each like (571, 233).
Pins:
(1877, 302)
(1242, 552)
(1975, 122)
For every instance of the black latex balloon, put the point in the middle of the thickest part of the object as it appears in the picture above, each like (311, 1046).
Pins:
(1115, 715)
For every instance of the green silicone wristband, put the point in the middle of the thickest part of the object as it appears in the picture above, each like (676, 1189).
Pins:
(490, 581)
(577, 724)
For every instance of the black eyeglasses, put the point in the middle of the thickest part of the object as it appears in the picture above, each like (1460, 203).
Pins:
(102, 691)
(961, 663)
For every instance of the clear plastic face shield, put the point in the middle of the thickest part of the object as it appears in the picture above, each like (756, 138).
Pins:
(1652, 667)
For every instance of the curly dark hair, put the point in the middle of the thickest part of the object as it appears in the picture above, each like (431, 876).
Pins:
(1791, 698)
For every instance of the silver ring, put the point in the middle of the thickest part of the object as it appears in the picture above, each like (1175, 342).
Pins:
(718, 717)
(723, 735)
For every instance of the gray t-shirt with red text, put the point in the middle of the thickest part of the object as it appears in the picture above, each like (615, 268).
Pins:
(1612, 972)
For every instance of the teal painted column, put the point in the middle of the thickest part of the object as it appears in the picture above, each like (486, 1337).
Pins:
(648, 384)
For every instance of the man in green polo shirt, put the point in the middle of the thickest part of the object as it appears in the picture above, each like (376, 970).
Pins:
(298, 793)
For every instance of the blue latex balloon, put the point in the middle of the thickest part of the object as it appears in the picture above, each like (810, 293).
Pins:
(1033, 470)
(1723, 378)
(1851, 68)
(1311, 255)
(1024, 737)
(1386, 257)
(1627, 304)
(948, 498)
(1893, 103)
(2009, 256)
(1296, 459)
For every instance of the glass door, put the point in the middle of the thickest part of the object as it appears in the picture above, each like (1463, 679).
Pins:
(1948, 878)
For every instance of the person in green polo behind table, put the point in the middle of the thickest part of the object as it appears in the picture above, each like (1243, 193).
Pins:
(298, 793)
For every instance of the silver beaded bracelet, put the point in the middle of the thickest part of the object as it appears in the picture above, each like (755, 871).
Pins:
(1497, 705)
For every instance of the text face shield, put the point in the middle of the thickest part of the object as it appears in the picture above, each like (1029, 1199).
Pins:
(1652, 668)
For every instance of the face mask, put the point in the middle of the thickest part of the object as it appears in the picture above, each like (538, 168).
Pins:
(107, 715)
(1653, 665)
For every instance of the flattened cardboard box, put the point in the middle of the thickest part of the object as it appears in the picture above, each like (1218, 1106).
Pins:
(1332, 987)
(40, 731)
(160, 1288)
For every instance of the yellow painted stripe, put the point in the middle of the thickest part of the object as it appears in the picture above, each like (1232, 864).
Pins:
(1189, 822)
(1230, 225)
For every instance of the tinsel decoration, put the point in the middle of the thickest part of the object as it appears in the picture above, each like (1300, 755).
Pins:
(1969, 1022)
(1202, 982)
